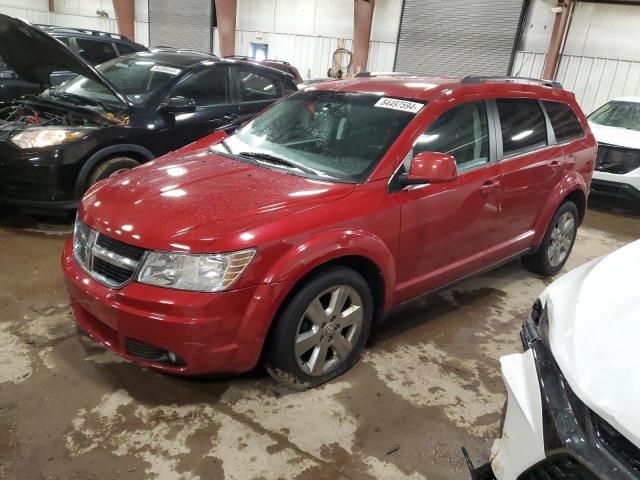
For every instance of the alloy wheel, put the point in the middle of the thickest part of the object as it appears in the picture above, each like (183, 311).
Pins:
(561, 239)
(328, 330)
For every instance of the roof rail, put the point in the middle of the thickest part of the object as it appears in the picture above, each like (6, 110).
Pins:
(485, 78)
(86, 31)
(380, 74)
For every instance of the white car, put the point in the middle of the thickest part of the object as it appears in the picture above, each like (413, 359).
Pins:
(573, 407)
(616, 126)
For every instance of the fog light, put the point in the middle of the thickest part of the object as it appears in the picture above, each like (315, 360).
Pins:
(172, 357)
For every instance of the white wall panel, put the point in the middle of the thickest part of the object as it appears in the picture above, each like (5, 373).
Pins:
(62, 20)
(37, 11)
(593, 80)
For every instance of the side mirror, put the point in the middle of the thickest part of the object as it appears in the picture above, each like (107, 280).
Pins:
(430, 167)
(178, 105)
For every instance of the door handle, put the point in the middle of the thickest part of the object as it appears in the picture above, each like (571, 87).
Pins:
(489, 186)
(555, 164)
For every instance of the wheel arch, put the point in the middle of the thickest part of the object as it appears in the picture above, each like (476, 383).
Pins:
(136, 152)
(573, 188)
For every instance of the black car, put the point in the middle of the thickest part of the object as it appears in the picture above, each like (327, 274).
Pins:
(94, 46)
(127, 111)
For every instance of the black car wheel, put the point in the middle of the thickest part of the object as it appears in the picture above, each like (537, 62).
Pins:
(322, 330)
(557, 244)
(109, 167)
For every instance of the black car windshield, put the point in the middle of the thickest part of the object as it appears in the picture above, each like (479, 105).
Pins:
(134, 76)
(618, 114)
(330, 134)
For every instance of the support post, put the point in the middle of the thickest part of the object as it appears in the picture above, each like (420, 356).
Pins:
(558, 36)
(125, 17)
(226, 11)
(52, 6)
(362, 18)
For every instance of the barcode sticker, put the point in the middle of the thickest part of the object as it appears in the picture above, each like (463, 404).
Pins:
(402, 105)
(163, 69)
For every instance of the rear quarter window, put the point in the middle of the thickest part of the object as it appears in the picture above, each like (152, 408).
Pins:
(564, 121)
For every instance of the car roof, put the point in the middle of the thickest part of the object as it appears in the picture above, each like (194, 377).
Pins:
(185, 59)
(627, 99)
(425, 88)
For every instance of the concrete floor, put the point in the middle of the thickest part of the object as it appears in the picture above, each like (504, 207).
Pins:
(428, 384)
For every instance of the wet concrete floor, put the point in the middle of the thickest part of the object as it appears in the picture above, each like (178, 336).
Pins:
(428, 384)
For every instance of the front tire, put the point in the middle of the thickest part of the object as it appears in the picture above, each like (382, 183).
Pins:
(557, 244)
(322, 330)
(109, 167)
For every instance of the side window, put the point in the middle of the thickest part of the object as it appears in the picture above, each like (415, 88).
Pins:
(564, 121)
(124, 49)
(523, 125)
(207, 87)
(64, 40)
(95, 52)
(256, 87)
(461, 132)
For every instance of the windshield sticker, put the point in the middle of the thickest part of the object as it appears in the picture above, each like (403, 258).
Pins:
(402, 105)
(163, 69)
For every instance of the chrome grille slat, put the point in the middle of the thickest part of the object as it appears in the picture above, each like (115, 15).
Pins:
(107, 260)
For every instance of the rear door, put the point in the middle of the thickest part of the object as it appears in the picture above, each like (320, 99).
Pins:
(531, 166)
(255, 89)
(447, 229)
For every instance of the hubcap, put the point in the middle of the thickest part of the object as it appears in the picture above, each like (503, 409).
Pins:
(561, 239)
(328, 330)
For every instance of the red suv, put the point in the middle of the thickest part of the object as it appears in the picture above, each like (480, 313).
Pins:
(289, 239)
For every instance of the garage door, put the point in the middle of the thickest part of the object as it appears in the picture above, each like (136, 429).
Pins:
(457, 38)
(183, 24)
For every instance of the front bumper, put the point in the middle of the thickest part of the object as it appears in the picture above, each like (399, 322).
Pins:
(207, 332)
(618, 186)
(548, 431)
(42, 180)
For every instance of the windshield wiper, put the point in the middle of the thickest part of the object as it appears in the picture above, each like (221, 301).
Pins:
(268, 158)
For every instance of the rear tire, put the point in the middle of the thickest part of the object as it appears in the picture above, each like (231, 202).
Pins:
(109, 167)
(557, 243)
(321, 331)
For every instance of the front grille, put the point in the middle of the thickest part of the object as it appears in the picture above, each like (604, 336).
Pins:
(116, 246)
(559, 467)
(618, 160)
(618, 445)
(106, 259)
(110, 271)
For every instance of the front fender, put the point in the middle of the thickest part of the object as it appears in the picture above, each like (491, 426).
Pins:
(569, 184)
(332, 245)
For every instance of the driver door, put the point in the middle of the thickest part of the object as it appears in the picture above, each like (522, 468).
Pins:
(210, 90)
(447, 228)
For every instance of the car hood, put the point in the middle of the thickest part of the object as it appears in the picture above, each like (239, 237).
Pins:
(34, 55)
(622, 137)
(186, 201)
(594, 327)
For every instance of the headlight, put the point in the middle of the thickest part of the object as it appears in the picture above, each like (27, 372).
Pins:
(46, 137)
(200, 273)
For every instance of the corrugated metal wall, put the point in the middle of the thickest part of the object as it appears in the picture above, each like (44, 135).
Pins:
(594, 80)
(457, 38)
(184, 24)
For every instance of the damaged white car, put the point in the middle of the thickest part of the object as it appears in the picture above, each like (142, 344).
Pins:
(573, 408)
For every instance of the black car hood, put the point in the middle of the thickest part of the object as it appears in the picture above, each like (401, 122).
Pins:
(35, 55)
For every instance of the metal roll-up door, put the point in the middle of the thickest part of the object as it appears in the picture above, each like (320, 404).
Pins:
(183, 24)
(460, 37)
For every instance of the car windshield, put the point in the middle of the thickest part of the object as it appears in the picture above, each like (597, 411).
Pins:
(329, 134)
(618, 114)
(136, 77)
